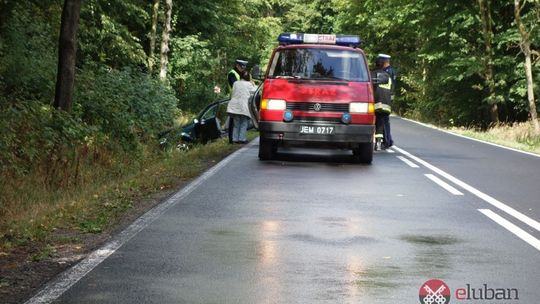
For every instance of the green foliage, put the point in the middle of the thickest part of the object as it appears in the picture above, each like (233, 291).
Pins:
(123, 107)
(209, 36)
(441, 64)
(118, 108)
(111, 32)
(30, 133)
(316, 16)
(192, 66)
(28, 52)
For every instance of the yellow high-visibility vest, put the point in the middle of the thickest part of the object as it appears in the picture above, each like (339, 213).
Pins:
(388, 85)
(381, 107)
(235, 75)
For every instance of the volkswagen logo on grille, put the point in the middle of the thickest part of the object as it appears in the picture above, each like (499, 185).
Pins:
(317, 107)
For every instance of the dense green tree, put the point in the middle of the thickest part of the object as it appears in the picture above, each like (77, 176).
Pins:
(28, 58)
(114, 32)
(209, 36)
(446, 74)
(316, 16)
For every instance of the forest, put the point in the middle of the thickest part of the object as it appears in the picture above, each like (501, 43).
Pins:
(141, 64)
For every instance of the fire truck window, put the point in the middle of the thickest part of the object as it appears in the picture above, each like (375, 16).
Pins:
(319, 64)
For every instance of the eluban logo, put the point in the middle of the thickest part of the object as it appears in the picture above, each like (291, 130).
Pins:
(486, 293)
(434, 291)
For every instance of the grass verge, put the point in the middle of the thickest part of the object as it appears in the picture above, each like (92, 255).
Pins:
(518, 136)
(44, 232)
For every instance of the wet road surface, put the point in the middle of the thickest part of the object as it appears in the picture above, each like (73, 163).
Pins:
(312, 227)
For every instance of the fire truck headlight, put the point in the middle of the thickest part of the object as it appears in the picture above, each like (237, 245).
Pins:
(273, 104)
(358, 107)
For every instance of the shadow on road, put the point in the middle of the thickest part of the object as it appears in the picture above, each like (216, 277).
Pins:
(303, 156)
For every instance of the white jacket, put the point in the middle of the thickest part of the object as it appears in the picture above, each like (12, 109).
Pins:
(240, 97)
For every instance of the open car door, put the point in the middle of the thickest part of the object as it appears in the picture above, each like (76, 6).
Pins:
(255, 106)
(209, 124)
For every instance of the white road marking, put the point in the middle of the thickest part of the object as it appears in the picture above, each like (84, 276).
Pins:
(68, 278)
(470, 138)
(390, 151)
(441, 183)
(490, 200)
(408, 162)
(522, 234)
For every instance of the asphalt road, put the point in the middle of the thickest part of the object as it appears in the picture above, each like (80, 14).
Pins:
(312, 227)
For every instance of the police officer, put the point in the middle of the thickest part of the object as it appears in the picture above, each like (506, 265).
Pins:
(382, 88)
(393, 76)
(390, 70)
(234, 73)
(232, 77)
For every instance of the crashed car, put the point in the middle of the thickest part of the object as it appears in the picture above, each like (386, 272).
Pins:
(211, 123)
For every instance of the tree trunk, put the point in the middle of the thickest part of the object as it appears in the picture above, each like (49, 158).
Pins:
(67, 51)
(525, 45)
(165, 40)
(489, 75)
(153, 31)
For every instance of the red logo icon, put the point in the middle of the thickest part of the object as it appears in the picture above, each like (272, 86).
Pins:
(434, 291)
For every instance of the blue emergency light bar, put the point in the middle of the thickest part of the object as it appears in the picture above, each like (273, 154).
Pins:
(299, 38)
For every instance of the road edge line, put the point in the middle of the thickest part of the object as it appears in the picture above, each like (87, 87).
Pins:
(468, 137)
(490, 200)
(520, 233)
(65, 280)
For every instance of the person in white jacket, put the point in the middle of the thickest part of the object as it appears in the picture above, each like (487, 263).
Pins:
(238, 107)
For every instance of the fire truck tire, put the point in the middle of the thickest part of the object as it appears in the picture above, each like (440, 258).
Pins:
(364, 153)
(266, 149)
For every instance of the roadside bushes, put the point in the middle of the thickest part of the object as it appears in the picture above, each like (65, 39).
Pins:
(113, 128)
(115, 112)
(127, 107)
(116, 115)
(28, 132)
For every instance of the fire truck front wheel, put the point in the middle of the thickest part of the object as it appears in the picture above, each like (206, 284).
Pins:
(363, 153)
(266, 149)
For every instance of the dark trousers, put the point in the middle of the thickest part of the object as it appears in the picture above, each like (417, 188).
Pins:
(387, 135)
(231, 126)
(382, 126)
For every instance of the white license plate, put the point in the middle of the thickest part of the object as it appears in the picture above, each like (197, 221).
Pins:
(316, 130)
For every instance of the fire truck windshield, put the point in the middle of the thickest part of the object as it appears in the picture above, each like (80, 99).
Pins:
(319, 64)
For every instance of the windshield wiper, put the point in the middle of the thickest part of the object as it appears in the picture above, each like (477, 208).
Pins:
(287, 77)
(329, 78)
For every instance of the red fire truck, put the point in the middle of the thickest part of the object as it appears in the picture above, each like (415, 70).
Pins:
(317, 92)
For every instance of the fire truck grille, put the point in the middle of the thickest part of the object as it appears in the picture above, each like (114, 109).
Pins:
(318, 107)
(317, 120)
